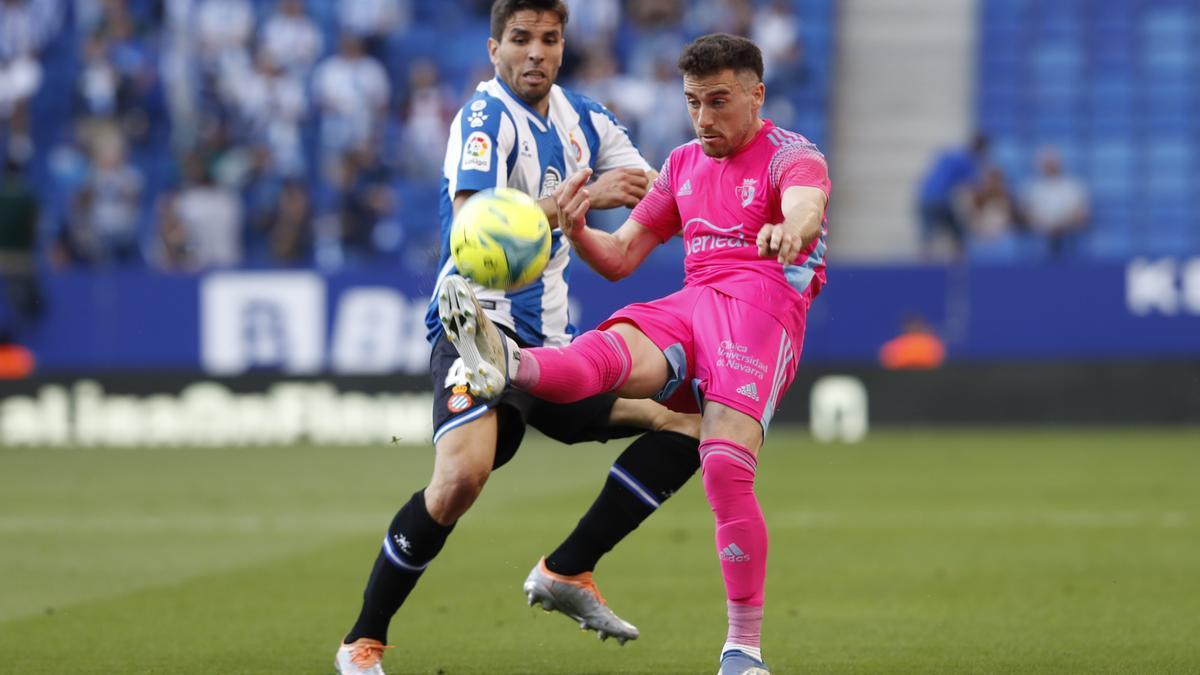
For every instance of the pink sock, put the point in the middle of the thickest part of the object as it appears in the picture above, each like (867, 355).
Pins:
(741, 535)
(594, 363)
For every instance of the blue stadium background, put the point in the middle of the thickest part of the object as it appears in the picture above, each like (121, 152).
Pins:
(1111, 85)
(450, 35)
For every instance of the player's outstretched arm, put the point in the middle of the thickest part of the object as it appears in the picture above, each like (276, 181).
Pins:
(613, 255)
(803, 210)
(618, 187)
(615, 187)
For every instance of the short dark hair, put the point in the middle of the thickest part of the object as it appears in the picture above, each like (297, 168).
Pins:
(710, 54)
(502, 11)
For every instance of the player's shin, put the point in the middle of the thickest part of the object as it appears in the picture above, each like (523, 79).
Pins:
(650, 470)
(413, 540)
(741, 538)
(595, 363)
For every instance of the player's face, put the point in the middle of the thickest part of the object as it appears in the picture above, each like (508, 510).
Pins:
(724, 109)
(529, 54)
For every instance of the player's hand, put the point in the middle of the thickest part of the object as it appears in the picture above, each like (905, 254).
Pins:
(573, 201)
(779, 242)
(619, 187)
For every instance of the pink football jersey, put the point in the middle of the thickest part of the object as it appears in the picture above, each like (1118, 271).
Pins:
(721, 204)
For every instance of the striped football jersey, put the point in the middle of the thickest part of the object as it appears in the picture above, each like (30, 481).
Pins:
(497, 140)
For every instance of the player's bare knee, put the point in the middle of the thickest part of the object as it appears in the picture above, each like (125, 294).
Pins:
(724, 422)
(680, 423)
(649, 371)
(452, 493)
(647, 414)
(458, 477)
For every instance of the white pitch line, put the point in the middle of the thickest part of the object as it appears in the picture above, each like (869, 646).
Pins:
(192, 524)
(1054, 519)
(356, 523)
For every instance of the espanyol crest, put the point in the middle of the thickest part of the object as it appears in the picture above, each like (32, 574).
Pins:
(550, 181)
(745, 191)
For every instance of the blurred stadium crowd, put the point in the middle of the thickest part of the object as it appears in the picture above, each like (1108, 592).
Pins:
(1089, 106)
(182, 135)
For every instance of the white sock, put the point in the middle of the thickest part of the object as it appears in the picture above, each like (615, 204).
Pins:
(754, 652)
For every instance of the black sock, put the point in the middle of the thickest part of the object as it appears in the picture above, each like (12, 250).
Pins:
(650, 470)
(413, 539)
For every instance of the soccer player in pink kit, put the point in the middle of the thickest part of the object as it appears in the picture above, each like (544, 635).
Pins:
(750, 199)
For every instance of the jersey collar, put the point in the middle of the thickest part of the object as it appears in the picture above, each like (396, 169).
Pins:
(521, 102)
(767, 126)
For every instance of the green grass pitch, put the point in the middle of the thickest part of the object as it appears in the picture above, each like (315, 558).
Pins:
(961, 551)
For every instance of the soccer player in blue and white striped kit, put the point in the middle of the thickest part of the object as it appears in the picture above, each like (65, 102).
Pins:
(522, 131)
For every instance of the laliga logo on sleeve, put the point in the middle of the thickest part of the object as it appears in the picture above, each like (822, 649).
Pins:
(745, 192)
(477, 152)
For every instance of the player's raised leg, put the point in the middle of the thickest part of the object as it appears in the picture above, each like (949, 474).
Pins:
(729, 462)
(489, 356)
(620, 359)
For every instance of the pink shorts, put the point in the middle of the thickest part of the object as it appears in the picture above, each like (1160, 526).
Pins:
(718, 348)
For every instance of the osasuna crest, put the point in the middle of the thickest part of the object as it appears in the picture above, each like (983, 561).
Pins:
(745, 191)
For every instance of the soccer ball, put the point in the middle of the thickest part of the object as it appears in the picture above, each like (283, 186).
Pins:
(500, 239)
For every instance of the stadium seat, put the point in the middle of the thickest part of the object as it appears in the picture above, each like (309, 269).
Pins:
(1113, 15)
(1171, 155)
(1117, 244)
(1111, 123)
(1010, 155)
(1112, 154)
(1004, 250)
(1170, 243)
(1056, 61)
(1009, 13)
(1116, 82)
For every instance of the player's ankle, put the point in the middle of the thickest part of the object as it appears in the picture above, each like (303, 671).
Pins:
(527, 371)
(753, 651)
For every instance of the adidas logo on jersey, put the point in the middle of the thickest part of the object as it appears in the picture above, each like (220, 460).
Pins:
(686, 189)
(749, 391)
(732, 553)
